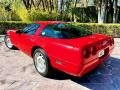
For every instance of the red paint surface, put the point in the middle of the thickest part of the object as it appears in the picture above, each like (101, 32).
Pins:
(65, 54)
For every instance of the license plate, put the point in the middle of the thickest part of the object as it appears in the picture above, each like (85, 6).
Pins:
(101, 53)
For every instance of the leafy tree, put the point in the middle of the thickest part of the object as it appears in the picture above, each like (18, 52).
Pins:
(106, 11)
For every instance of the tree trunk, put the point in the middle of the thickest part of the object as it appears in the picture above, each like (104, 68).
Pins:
(33, 3)
(61, 9)
(38, 3)
(102, 12)
(26, 4)
(115, 11)
(47, 5)
(73, 11)
(43, 4)
(110, 12)
(51, 8)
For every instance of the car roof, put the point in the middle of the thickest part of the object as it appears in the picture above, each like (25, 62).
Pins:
(48, 22)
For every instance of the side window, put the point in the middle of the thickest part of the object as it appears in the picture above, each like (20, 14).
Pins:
(31, 29)
(50, 32)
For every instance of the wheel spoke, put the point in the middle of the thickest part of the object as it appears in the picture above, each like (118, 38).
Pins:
(40, 62)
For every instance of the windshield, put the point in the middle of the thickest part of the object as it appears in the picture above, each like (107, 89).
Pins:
(65, 31)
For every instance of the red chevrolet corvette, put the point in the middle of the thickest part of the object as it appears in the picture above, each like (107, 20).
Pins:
(59, 45)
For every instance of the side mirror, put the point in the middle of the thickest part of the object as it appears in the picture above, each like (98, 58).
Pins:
(18, 31)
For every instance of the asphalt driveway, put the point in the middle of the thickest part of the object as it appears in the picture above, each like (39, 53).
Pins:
(17, 72)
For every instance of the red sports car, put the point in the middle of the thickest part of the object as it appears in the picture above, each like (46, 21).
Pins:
(60, 45)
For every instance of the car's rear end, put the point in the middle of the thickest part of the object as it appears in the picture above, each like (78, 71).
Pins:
(94, 49)
(95, 52)
(77, 51)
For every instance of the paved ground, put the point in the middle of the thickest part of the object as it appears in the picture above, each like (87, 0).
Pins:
(18, 73)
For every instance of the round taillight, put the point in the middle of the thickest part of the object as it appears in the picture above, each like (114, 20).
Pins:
(93, 50)
(86, 53)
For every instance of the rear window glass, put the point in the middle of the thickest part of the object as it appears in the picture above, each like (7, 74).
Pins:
(65, 31)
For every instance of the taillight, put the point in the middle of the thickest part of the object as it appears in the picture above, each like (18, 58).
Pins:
(89, 51)
(86, 53)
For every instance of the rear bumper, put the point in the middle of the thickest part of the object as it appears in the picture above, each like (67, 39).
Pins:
(93, 64)
(81, 69)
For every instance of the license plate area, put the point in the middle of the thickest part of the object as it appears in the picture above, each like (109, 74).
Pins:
(101, 53)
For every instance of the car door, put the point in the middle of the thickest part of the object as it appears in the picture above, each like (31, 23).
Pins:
(51, 38)
(27, 37)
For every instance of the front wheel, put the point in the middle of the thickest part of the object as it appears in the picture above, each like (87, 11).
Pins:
(41, 62)
(8, 42)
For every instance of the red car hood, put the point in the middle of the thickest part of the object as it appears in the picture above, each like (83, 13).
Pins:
(77, 42)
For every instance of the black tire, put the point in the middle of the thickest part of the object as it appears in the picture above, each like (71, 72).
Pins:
(6, 42)
(47, 71)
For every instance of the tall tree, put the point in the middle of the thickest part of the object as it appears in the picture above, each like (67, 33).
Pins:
(102, 11)
(115, 13)
(73, 12)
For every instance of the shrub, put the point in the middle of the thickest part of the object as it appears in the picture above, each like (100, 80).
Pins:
(20, 12)
(36, 14)
(107, 29)
(4, 15)
(11, 25)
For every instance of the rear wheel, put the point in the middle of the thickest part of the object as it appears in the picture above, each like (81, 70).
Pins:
(41, 62)
(8, 42)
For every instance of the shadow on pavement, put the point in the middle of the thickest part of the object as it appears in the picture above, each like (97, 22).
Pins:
(104, 77)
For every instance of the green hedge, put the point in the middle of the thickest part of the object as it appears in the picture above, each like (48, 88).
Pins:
(5, 25)
(107, 29)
